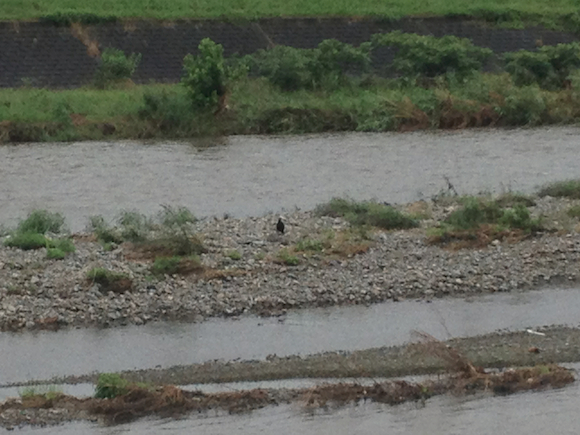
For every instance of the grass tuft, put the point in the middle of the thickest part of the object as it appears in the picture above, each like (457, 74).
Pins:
(367, 213)
(26, 241)
(566, 189)
(176, 265)
(41, 222)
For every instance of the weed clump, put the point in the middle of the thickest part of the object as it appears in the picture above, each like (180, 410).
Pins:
(41, 222)
(285, 257)
(176, 265)
(110, 385)
(26, 241)
(367, 213)
(110, 281)
(234, 255)
(562, 189)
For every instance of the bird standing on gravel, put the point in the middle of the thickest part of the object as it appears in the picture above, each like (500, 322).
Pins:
(280, 225)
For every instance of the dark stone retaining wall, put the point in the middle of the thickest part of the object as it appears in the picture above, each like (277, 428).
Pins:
(44, 55)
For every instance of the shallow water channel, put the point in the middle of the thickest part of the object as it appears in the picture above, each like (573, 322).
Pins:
(549, 412)
(252, 175)
(43, 355)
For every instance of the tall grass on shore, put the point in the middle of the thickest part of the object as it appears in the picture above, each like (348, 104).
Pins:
(512, 14)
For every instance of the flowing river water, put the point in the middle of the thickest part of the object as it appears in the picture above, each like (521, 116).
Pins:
(251, 175)
(248, 176)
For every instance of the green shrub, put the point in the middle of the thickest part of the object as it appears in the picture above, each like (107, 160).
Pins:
(26, 241)
(511, 199)
(176, 217)
(323, 67)
(567, 189)
(367, 213)
(475, 212)
(205, 75)
(49, 392)
(110, 385)
(428, 56)
(41, 222)
(309, 245)
(234, 255)
(285, 257)
(549, 66)
(176, 265)
(115, 67)
(523, 106)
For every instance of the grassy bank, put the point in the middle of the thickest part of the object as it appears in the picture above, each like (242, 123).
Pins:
(513, 14)
(257, 107)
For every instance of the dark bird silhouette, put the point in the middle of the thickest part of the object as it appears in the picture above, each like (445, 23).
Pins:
(280, 226)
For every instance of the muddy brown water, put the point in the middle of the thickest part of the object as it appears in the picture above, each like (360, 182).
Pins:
(251, 175)
(43, 355)
(548, 412)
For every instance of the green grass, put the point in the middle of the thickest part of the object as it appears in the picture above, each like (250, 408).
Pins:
(27, 241)
(503, 12)
(567, 189)
(367, 213)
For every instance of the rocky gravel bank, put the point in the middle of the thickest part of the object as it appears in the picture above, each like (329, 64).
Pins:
(243, 271)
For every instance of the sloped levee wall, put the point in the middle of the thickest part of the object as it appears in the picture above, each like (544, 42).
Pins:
(41, 54)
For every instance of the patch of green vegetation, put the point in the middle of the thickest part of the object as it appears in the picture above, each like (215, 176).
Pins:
(566, 189)
(478, 211)
(110, 385)
(41, 222)
(574, 211)
(234, 255)
(55, 254)
(49, 392)
(26, 241)
(309, 245)
(260, 256)
(286, 258)
(104, 232)
(176, 265)
(103, 276)
(367, 213)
